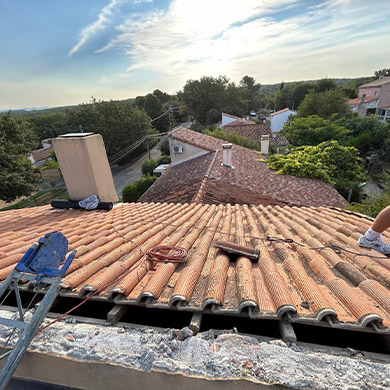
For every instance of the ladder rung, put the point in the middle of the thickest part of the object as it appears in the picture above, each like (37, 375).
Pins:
(44, 279)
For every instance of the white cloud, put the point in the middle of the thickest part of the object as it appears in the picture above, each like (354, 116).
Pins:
(193, 38)
(100, 24)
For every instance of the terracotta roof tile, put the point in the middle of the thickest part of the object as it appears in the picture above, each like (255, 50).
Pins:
(306, 283)
(41, 154)
(250, 181)
(248, 129)
(376, 83)
(358, 100)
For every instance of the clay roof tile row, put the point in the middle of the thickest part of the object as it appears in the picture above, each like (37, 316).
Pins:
(308, 284)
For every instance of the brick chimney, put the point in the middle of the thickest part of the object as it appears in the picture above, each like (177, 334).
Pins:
(227, 155)
(264, 144)
(84, 166)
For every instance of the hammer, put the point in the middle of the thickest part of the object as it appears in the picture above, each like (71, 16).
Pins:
(239, 250)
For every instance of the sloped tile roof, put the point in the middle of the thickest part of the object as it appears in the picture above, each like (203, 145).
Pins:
(41, 154)
(308, 284)
(357, 100)
(280, 140)
(376, 83)
(250, 181)
(249, 130)
(180, 183)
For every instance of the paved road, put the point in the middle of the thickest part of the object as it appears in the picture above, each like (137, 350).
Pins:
(130, 172)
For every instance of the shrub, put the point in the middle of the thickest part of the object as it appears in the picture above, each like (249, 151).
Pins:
(329, 161)
(164, 147)
(371, 207)
(51, 165)
(164, 160)
(148, 166)
(143, 184)
(130, 193)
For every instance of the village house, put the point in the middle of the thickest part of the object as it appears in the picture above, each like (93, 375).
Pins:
(279, 118)
(373, 98)
(210, 170)
(250, 129)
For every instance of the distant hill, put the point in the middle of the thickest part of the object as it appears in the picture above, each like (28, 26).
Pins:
(272, 88)
(37, 111)
(265, 89)
(30, 112)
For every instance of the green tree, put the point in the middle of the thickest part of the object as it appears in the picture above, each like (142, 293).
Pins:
(204, 97)
(325, 85)
(313, 130)
(291, 95)
(16, 173)
(200, 96)
(250, 92)
(49, 125)
(382, 72)
(120, 123)
(329, 161)
(369, 134)
(154, 105)
(324, 104)
(163, 146)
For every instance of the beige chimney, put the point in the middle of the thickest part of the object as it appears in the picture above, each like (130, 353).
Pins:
(227, 155)
(84, 166)
(265, 144)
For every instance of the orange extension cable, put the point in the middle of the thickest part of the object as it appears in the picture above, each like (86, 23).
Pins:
(167, 254)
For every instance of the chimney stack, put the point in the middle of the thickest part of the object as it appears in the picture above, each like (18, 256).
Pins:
(84, 166)
(227, 155)
(265, 144)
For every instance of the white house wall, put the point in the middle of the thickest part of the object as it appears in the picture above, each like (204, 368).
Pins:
(278, 120)
(189, 151)
(226, 120)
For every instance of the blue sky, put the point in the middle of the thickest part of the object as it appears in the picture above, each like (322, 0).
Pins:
(56, 52)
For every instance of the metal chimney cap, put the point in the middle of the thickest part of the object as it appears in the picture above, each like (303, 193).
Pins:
(75, 135)
(227, 146)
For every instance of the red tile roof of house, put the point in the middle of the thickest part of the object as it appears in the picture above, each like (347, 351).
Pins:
(280, 140)
(358, 100)
(41, 154)
(288, 278)
(376, 83)
(249, 130)
(250, 182)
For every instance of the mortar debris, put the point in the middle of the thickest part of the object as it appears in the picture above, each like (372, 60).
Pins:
(226, 356)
